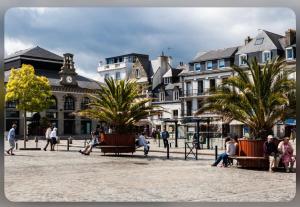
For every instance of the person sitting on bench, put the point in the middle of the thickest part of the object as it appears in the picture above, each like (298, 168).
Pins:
(143, 142)
(286, 150)
(271, 152)
(230, 151)
(94, 141)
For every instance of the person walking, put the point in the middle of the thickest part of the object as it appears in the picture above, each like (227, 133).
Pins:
(165, 135)
(48, 138)
(271, 152)
(53, 136)
(11, 137)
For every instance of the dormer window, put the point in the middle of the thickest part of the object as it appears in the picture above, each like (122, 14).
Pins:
(197, 66)
(289, 53)
(162, 96)
(266, 56)
(167, 80)
(221, 63)
(208, 65)
(137, 73)
(259, 41)
(242, 59)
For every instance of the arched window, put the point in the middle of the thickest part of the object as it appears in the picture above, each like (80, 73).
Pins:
(84, 103)
(54, 103)
(69, 103)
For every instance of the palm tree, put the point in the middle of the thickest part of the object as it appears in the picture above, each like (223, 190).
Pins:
(120, 104)
(257, 96)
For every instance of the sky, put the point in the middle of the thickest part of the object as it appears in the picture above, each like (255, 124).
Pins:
(92, 34)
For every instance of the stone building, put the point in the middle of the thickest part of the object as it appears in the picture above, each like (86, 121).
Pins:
(70, 93)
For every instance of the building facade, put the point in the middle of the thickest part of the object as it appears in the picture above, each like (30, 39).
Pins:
(69, 92)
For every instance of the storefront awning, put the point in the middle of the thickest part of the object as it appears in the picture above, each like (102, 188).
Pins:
(290, 122)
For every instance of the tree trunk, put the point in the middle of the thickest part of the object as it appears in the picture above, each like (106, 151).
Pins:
(25, 129)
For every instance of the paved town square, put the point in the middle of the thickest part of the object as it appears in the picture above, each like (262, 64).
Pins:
(69, 176)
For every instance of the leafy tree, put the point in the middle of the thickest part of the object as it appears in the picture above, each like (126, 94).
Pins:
(120, 104)
(31, 92)
(258, 96)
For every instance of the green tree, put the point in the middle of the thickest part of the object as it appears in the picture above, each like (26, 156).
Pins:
(120, 104)
(258, 96)
(31, 92)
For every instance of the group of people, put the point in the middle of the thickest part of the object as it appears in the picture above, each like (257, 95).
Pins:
(284, 152)
(51, 137)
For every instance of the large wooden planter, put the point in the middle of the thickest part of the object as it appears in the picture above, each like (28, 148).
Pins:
(252, 149)
(118, 143)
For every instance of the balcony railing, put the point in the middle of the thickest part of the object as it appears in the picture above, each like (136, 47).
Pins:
(195, 92)
(114, 66)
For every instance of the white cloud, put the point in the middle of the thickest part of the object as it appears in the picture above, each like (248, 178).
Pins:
(12, 45)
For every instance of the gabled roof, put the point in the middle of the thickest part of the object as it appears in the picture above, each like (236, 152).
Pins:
(271, 41)
(35, 52)
(215, 54)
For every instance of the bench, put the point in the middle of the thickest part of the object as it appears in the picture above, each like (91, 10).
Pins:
(250, 162)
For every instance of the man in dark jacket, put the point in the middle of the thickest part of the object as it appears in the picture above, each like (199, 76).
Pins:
(165, 136)
(271, 152)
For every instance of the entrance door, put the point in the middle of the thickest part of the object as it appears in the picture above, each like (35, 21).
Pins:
(69, 127)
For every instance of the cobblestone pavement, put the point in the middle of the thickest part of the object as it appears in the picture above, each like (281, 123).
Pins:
(69, 176)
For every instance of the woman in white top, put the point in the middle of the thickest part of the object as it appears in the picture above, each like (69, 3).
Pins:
(48, 138)
(53, 136)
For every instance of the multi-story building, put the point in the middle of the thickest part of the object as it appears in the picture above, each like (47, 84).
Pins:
(68, 88)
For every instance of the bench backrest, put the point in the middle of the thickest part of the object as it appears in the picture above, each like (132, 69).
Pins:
(119, 139)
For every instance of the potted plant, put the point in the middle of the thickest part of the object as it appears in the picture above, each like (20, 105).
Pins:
(120, 104)
(258, 96)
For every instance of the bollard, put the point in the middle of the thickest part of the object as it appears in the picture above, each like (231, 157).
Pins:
(70, 140)
(68, 144)
(168, 151)
(216, 152)
(16, 145)
(36, 141)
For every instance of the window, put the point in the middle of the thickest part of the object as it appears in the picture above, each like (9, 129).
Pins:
(12, 114)
(11, 104)
(106, 76)
(189, 88)
(221, 63)
(242, 59)
(212, 84)
(189, 108)
(176, 95)
(266, 56)
(200, 87)
(289, 53)
(209, 65)
(137, 73)
(259, 41)
(175, 113)
(200, 103)
(118, 76)
(84, 103)
(54, 103)
(224, 78)
(197, 66)
(51, 115)
(69, 103)
(162, 96)
(167, 80)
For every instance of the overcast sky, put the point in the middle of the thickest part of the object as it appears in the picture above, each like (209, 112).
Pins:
(93, 34)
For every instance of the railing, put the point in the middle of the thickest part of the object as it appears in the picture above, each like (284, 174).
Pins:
(113, 66)
(195, 92)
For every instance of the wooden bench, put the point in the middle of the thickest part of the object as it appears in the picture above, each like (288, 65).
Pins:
(250, 162)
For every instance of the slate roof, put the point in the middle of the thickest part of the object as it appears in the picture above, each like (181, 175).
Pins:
(271, 41)
(129, 54)
(54, 79)
(215, 54)
(35, 52)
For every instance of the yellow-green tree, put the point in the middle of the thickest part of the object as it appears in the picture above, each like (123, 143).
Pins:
(31, 92)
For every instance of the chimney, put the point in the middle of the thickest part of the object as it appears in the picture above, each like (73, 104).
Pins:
(247, 40)
(290, 37)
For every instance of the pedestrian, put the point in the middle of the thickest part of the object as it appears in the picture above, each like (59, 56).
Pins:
(154, 132)
(11, 137)
(165, 135)
(48, 138)
(143, 142)
(53, 136)
(271, 152)
(229, 151)
(286, 150)
(293, 134)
